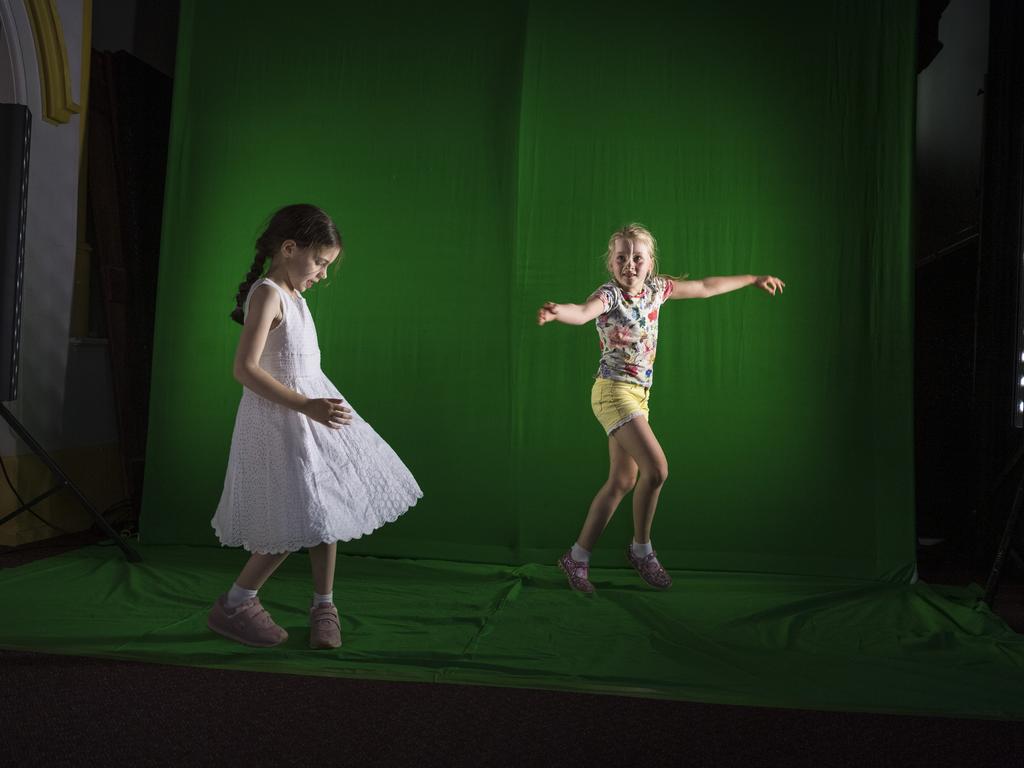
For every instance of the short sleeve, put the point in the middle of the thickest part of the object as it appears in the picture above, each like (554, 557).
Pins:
(608, 295)
(662, 288)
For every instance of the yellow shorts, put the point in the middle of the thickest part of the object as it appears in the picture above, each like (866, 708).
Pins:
(616, 402)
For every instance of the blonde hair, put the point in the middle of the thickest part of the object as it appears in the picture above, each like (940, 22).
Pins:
(632, 234)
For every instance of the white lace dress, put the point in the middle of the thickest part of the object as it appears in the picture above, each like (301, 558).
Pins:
(292, 482)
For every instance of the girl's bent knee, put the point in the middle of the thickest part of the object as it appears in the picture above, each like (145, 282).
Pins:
(620, 486)
(656, 475)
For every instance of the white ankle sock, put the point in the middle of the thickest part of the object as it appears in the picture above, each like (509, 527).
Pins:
(642, 550)
(318, 598)
(238, 595)
(579, 554)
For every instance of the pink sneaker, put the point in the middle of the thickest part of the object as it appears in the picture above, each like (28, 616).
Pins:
(324, 626)
(650, 569)
(577, 573)
(248, 623)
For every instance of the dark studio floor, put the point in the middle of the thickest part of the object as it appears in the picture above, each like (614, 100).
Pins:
(67, 710)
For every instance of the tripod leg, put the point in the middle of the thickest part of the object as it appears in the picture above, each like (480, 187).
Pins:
(130, 554)
(1004, 546)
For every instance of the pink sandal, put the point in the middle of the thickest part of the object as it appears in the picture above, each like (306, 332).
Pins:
(650, 569)
(578, 573)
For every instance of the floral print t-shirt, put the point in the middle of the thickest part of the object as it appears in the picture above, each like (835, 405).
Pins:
(628, 330)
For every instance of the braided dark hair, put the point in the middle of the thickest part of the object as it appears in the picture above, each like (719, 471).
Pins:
(306, 224)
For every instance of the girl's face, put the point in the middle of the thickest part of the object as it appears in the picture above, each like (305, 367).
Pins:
(306, 266)
(630, 264)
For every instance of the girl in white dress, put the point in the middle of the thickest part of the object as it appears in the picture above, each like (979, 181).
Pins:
(304, 470)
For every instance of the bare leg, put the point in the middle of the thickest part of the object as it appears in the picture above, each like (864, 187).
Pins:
(621, 478)
(258, 569)
(322, 558)
(638, 441)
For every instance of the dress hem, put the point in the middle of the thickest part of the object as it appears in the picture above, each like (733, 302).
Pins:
(295, 547)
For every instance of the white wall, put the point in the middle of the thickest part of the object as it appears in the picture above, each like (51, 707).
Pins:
(51, 228)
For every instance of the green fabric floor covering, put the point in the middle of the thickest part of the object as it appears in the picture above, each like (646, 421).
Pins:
(714, 637)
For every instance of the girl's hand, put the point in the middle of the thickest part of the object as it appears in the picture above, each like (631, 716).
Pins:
(328, 411)
(769, 284)
(547, 313)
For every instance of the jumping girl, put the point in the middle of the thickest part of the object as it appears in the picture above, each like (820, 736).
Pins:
(626, 309)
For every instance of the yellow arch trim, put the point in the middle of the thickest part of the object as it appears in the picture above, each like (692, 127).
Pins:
(52, 53)
(83, 251)
(84, 81)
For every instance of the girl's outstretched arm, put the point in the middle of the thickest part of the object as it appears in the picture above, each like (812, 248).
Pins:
(571, 314)
(713, 286)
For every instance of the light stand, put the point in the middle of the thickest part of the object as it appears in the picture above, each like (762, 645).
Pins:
(15, 134)
(64, 482)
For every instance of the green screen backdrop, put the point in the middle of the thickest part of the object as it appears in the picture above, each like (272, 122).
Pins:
(476, 156)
